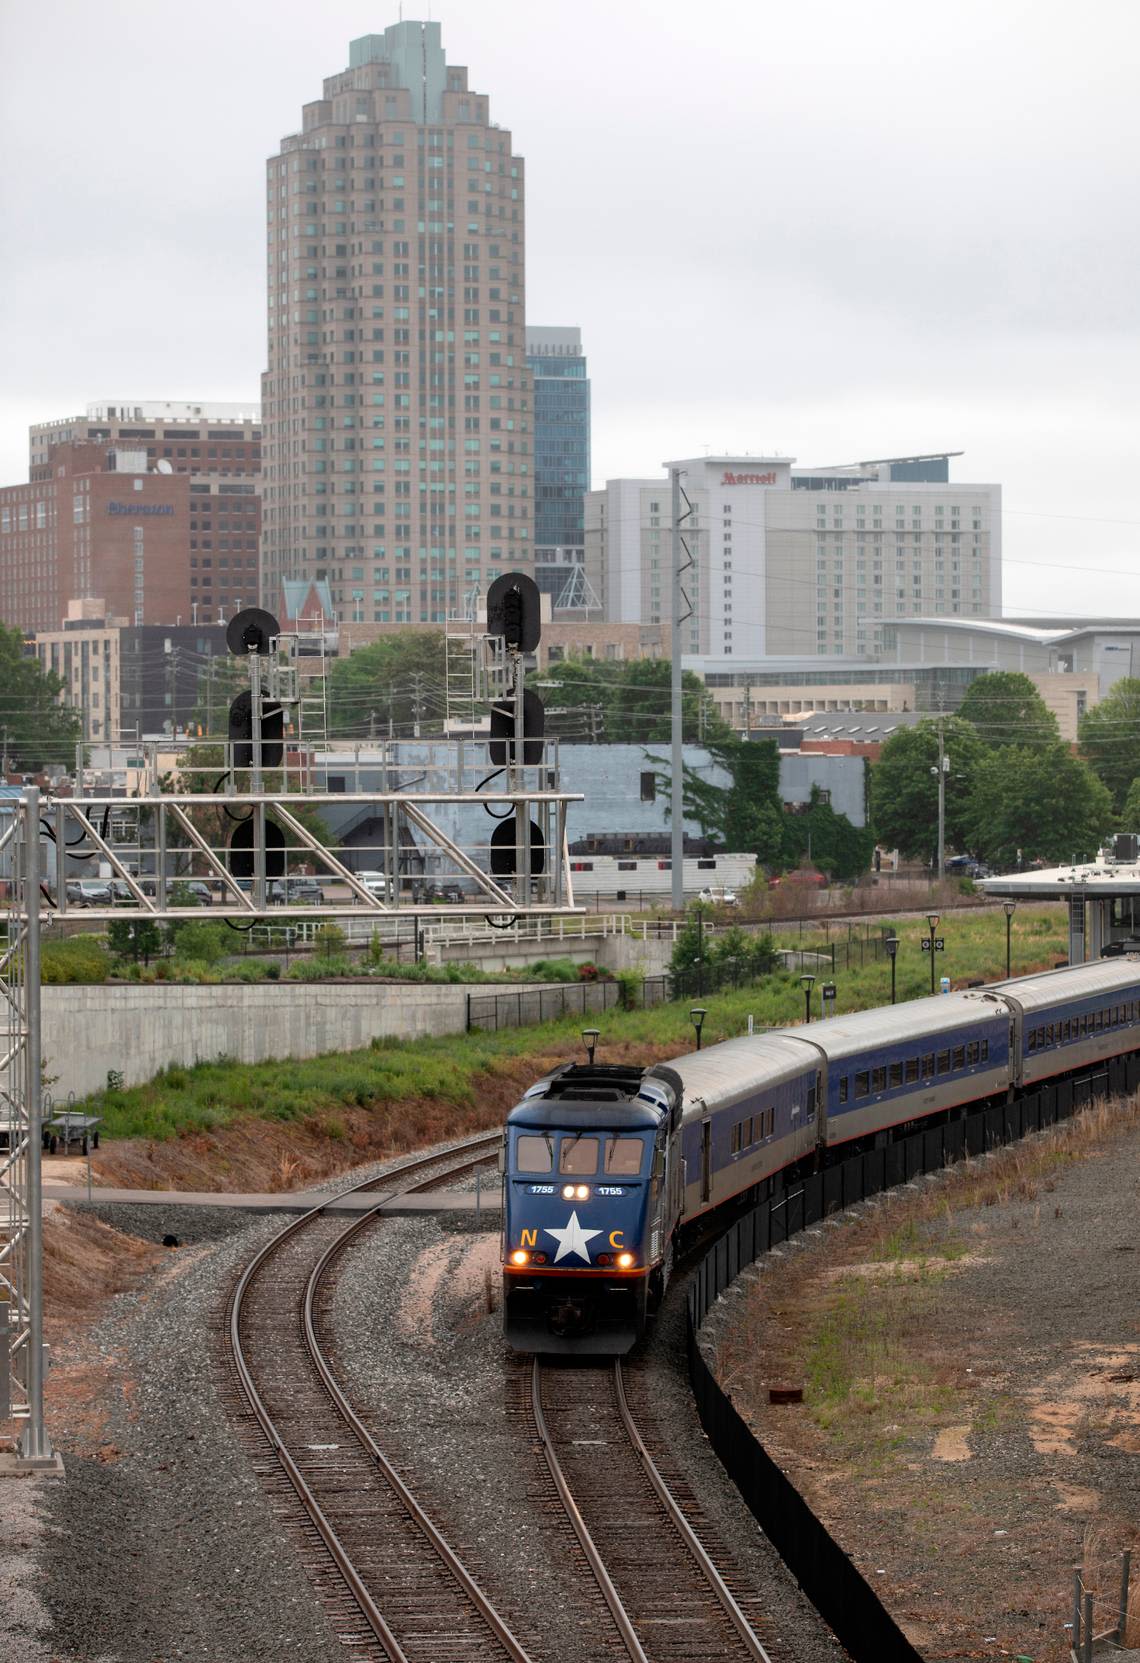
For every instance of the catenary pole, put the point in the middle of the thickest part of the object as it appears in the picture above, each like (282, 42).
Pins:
(678, 796)
(35, 1445)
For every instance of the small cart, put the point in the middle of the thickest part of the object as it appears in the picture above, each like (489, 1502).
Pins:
(63, 1130)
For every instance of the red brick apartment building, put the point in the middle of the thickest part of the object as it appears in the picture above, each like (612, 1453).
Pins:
(160, 519)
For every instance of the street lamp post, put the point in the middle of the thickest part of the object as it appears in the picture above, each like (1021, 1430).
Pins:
(807, 983)
(1010, 909)
(932, 920)
(697, 1017)
(892, 945)
(590, 1038)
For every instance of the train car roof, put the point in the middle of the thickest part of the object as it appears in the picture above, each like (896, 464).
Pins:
(1050, 988)
(733, 1068)
(884, 1025)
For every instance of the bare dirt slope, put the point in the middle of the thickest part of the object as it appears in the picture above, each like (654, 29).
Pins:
(970, 1358)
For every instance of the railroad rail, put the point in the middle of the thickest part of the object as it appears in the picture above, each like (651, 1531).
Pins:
(665, 1607)
(393, 1586)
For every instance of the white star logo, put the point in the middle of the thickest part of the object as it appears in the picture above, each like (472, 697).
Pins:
(573, 1239)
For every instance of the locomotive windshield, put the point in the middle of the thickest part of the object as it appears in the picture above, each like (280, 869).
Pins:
(578, 1155)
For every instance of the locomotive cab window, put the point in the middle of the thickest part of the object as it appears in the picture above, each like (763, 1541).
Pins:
(623, 1157)
(533, 1153)
(578, 1157)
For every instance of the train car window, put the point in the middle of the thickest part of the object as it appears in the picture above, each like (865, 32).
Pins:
(811, 1097)
(1041, 1038)
(623, 1157)
(928, 1066)
(895, 1076)
(863, 1085)
(973, 1051)
(959, 1056)
(878, 1079)
(985, 1050)
(734, 1147)
(1031, 1040)
(578, 1156)
(943, 1062)
(911, 1069)
(533, 1154)
(771, 1121)
(843, 1088)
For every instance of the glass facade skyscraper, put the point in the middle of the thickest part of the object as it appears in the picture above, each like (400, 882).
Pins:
(561, 459)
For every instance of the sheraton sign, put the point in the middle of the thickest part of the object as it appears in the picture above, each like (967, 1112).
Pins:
(749, 478)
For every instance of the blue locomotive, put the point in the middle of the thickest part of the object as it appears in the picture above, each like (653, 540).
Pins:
(606, 1166)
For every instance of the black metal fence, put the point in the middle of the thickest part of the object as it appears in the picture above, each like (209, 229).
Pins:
(493, 1011)
(829, 1578)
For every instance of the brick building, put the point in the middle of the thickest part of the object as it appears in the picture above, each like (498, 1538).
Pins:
(159, 517)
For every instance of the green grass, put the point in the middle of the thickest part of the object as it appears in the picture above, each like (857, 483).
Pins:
(446, 1069)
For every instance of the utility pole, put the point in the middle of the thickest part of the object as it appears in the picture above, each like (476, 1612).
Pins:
(941, 771)
(677, 845)
(417, 706)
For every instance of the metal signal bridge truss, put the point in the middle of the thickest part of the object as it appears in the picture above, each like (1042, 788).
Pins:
(218, 834)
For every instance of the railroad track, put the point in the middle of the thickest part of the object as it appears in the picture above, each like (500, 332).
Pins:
(667, 1606)
(393, 1587)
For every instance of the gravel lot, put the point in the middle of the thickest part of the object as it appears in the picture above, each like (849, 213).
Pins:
(160, 1544)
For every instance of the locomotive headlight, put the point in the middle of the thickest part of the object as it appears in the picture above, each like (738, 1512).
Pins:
(520, 1256)
(625, 1261)
(582, 1193)
(567, 1192)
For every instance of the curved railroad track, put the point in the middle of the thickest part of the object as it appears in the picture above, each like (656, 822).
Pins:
(666, 1606)
(393, 1587)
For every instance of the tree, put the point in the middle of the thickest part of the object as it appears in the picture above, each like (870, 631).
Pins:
(627, 702)
(904, 787)
(35, 729)
(1130, 813)
(1006, 709)
(1047, 804)
(747, 815)
(828, 839)
(134, 939)
(1109, 737)
(399, 683)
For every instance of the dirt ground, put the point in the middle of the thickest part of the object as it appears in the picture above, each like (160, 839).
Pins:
(969, 1355)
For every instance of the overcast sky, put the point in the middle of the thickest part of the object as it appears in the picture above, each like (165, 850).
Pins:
(831, 231)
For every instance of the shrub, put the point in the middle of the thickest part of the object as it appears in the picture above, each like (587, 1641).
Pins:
(273, 972)
(330, 940)
(551, 970)
(81, 958)
(202, 943)
(631, 985)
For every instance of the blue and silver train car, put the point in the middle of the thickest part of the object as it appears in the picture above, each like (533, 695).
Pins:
(897, 1063)
(1071, 1019)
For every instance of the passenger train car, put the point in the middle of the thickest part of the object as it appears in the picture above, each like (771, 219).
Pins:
(605, 1167)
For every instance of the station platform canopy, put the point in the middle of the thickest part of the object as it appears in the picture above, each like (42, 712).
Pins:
(1103, 897)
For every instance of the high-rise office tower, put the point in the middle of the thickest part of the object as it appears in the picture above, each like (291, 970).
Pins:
(397, 420)
(561, 462)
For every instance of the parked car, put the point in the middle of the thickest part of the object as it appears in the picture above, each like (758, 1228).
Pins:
(89, 892)
(375, 882)
(718, 895)
(294, 892)
(800, 877)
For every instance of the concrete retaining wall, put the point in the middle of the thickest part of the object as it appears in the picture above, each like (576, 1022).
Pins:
(140, 1029)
